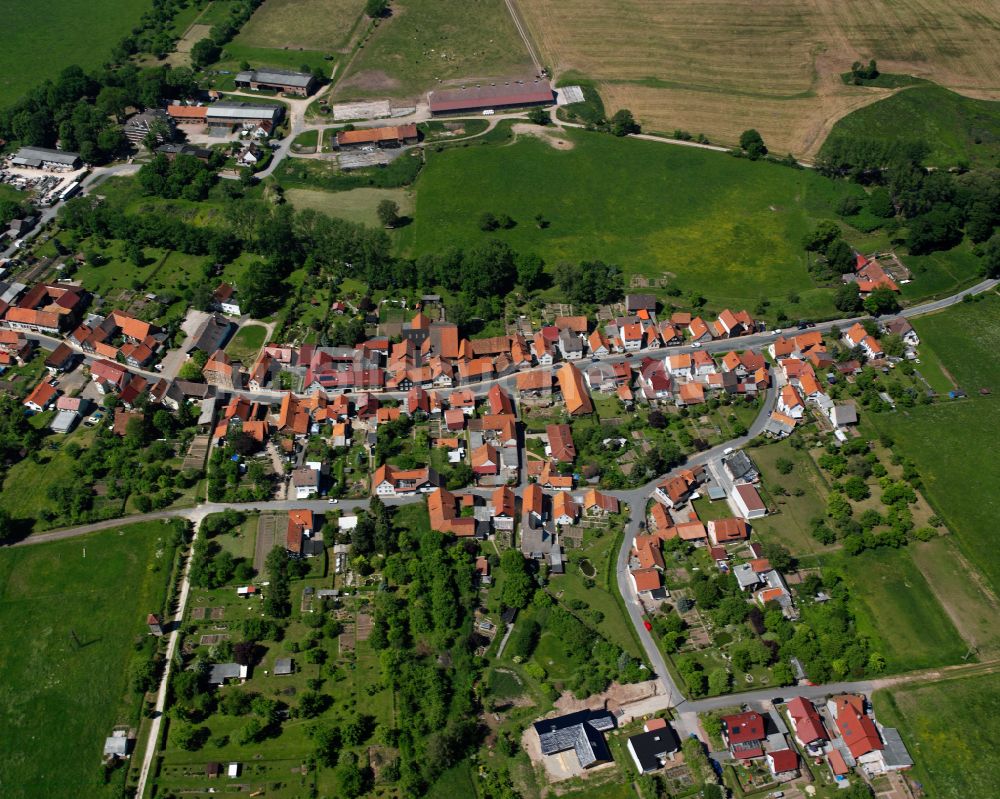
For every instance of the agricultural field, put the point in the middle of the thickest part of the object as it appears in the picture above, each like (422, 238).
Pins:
(98, 590)
(301, 24)
(950, 728)
(718, 68)
(428, 42)
(728, 228)
(33, 52)
(896, 608)
(356, 205)
(957, 129)
(966, 339)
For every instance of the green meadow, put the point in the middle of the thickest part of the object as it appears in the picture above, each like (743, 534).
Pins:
(953, 442)
(38, 44)
(728, 228)
(896, 608)
(59, 698)
(956, 129)
(950, 729)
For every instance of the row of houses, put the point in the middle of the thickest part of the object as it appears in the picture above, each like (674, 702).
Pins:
(844, 732)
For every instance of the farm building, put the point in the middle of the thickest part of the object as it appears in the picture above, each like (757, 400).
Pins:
(188, 114)
(392, 136)
(282, 80)
(172, 150)
(477, 98)
(39, 157)
(138, 127)
(227, 115)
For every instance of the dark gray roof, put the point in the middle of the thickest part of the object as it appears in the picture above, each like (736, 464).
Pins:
(651, 747)
(224, 671)
(895, 752)
(227, 110)
(118, 745)
(282, 77)
(581, 732)
(283, 666)
(636, 302)
(45, 154)
(738, 464)
(184, 149)
(213, 333)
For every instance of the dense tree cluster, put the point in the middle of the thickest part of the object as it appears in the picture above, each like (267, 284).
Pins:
(417, 627)
(938, 207)
(83, 111)
(185, 176)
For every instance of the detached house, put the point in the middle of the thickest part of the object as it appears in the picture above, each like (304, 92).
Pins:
(388, 481)
(677, 490)
(806, 723)
(744, 734)
(857, 336)
(226, 299)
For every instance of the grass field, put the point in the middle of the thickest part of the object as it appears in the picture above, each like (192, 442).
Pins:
(950, 729)
(53, 468)
(961, 591)
(790, 526)
(247, 343)
(33, 52)
(966, 338)
(728, 228)
(425, 42)
(720, 67)
(356, 205)
(306, 24)
(64, 699)
(956, 128)
(895, 606)
(952, 442)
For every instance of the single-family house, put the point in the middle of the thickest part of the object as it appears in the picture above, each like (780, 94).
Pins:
(650, 750)
(41, 397)
(806, 723)
(502, 508)
(726, 531)
(306, 482)
(561, 446)
(388, 481)
(857, 336)
(744, 734)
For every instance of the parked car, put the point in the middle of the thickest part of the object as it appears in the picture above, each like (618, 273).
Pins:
(647, 625)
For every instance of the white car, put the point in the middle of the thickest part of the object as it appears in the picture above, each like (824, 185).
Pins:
(333, 501)
(696, 344)
(776, 332)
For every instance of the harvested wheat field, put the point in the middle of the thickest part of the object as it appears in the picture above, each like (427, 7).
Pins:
(720, 67)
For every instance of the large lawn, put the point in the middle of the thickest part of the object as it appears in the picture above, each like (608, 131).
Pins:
(301, 24)
(895, 606)
(966, 338)
(727, 228)
(58, 699)
(424, 42)
(950, 729)
(38, 45)
(955, 128)
(247, 343)
(356, 205)
(804, 498)
(953, 443)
